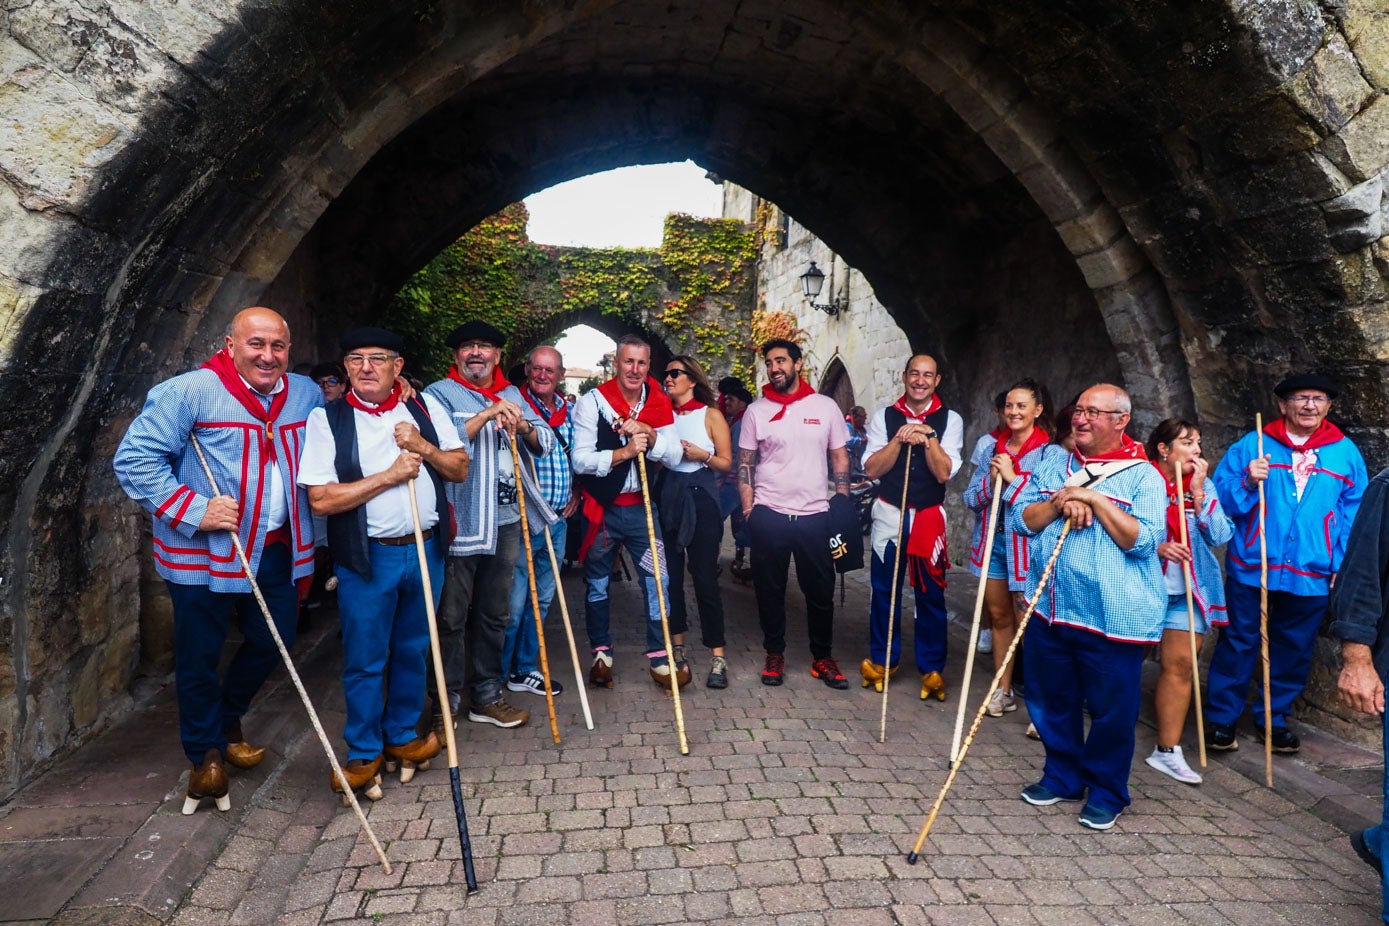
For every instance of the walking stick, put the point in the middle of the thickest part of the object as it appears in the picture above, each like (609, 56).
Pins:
(978, 614)
(1263, 613)
(568, 627)
(897, 558)
(441, 686)
(1191, 622)
(913, 855)
(661, 604)
(293, 673)
(535, 596)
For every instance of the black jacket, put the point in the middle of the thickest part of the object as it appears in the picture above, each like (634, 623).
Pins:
(1359, 602)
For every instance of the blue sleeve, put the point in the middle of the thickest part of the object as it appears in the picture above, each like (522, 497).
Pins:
(1150, 509)
(1349, 502)
(1237, 496)
(151, 449)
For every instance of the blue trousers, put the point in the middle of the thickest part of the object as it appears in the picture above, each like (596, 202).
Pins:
(929, 626)
(1068, 669)
(623, 525)
(207, 705)
(1293, 621)
(522, 646)
(1377, 837)
(385, 639)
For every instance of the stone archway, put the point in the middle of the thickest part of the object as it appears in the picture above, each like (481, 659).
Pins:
(835, 383)
(1188, 191)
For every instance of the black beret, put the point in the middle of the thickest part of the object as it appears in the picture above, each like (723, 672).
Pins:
(475, 331)
(1300, 381)
(327, 369)
(372, 337)
(732, 385)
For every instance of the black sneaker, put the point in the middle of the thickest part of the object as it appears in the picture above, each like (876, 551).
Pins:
(1284, 740)
(774, 669)
(827, 671)
(1221, 736)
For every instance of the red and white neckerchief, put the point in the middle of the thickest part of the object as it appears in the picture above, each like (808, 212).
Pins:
(553, 419)
(491, 392)
(931, 406)
(390, 402)
(222, 364)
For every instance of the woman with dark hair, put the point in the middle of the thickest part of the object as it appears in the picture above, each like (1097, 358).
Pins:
(1176, 444)
(1004, 558)
(690, 515)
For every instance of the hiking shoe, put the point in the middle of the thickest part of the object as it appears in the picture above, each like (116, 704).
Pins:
(718, 673)
(1039, 795)
(1284, 740)
(1172, 763)
(1098, 818)
(600, 675)
(985, 644)
(534, 683)
(1001, 703)
(827, 671)
(682, 666)
(1221, 737)
(774, 669)
(499, 713)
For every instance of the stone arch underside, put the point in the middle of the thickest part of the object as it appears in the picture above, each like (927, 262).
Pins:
(1125, 188)
(835, 383)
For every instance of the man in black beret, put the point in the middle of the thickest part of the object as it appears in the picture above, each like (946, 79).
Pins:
(734, 399)
(360, 453)
(1313, 478)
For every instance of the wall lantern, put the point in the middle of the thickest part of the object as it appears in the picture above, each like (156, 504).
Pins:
(812, 281)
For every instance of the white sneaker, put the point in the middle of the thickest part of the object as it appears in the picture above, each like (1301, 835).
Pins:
(1173, 764)
(534, 683)
(1001, 703)
(986, 642)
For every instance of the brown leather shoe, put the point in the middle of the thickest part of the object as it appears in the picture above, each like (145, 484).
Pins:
(240, 753)
(207, 779)
(601, 673)
(362, 775)
(412, 755)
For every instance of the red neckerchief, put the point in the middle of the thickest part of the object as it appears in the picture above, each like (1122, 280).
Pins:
(654, 410)
(1326, 433)
(1000, 431)
(693, 405)
(931, 406)
(1174, 523)
(221, 364)
(490, 392)
(771, 393)
(1037, 438)
(553, 419)
(390, 402)
(1128, 449)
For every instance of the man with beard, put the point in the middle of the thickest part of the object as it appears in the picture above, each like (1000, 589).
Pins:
(791, 441)
(935, 436)
(488, 413)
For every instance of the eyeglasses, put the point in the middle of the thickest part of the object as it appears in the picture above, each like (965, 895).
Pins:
(1090, 414)
(330, 381)
(1317, 400)
(376, 360)
(676, 374)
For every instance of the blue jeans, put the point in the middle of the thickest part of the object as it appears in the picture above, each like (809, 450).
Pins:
(928, 626)
(1293, 622)
(207, 706)
(522, 646)
(1377, 837)
(385, 638)
(625, 525)
(1067, 669)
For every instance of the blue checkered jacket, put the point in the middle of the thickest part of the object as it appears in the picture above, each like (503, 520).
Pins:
(978, 498)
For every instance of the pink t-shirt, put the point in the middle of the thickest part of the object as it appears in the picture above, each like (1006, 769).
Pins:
(792, 474)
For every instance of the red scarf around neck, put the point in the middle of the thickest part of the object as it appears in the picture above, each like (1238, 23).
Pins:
(390, 402)
(931, 406)
(693, 405)
(655, 410)
(1000, 431)
(221, 363)
(1128, 449)
(1326, 433)
(1036, 439)
(1174, 510)
(492, 392)
(553, 419)
(772, 394)
(723, 410)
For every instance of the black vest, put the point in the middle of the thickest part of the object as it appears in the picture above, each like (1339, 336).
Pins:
(606, 488)
(924, 491)
(347, 532)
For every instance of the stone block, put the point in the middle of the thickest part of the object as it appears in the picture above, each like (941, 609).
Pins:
(1330, 88)
(1354, 218)
(1112, 265)
(1367, 31)
(1361, 147)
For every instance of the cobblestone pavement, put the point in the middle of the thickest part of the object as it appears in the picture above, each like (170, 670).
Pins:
(787, 810)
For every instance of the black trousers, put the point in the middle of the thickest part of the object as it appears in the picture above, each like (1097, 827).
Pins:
(703, 556)
(776, 538)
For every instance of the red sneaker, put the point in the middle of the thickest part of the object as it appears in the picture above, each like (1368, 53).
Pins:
(827, 671)
(774, 669)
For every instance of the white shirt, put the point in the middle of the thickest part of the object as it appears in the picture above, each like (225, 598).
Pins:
(592, 412)
(693, 428)
(277, 496)
(388, 514)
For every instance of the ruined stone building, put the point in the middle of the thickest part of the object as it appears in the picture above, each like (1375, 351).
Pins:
(1183, 195)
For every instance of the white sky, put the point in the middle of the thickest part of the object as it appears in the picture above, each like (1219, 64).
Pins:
(626, 207)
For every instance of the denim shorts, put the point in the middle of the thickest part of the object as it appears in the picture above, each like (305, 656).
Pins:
(998, 557)
(1176, 615)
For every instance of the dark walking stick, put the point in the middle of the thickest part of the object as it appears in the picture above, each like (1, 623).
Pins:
(441, 686)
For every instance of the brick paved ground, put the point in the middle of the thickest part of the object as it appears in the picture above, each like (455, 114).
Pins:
(787, 810)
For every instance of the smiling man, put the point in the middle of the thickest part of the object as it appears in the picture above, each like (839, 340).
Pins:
(1313, 479)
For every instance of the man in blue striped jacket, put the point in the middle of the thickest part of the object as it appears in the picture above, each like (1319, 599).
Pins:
(249, 416)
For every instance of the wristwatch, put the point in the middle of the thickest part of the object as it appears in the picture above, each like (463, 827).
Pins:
(930, 434)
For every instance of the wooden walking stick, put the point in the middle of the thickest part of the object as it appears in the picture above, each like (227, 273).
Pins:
(441, 686)
(661, 605)
(913, 855)
(897, 557)
(978, 614)
(568, 627)
(535, 596)
(1191, 621)
(293, 673)
(1263, 613)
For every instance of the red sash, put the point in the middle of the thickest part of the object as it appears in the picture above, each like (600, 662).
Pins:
(221, 364)
(802, 390)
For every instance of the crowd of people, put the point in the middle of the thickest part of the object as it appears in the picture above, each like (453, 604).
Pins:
(1104, 535)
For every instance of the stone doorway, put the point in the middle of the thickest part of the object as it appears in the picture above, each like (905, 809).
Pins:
(836, 384)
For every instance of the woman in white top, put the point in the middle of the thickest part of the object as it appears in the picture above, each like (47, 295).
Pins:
(690, 516)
